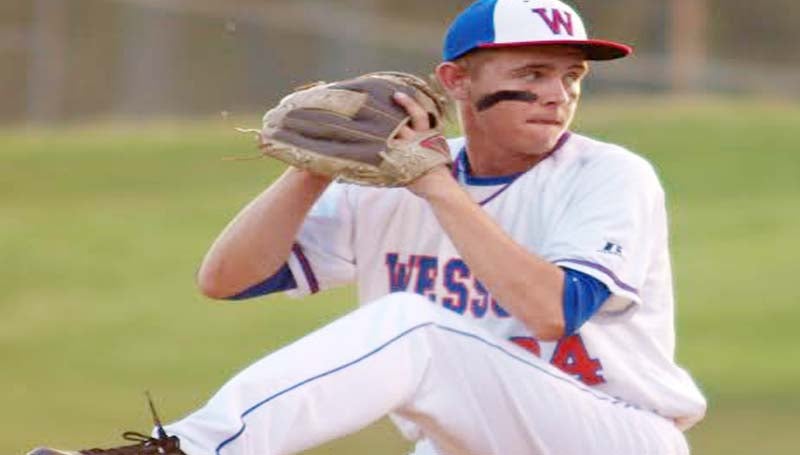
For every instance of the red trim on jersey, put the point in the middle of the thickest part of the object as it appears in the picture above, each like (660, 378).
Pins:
(313, 284)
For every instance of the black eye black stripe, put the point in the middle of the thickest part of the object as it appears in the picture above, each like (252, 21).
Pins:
(505, 95)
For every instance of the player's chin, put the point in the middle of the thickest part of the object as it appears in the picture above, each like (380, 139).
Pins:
(544, 132)
(546, 124)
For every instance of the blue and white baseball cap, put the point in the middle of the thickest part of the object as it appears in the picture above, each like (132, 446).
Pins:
(508, 23)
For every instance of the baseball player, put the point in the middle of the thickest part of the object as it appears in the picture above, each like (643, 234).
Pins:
(517, 302)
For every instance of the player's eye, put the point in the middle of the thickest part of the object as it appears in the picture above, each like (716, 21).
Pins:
(572, 77)
(532, 76)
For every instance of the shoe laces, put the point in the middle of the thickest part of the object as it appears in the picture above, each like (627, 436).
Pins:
(145, 445)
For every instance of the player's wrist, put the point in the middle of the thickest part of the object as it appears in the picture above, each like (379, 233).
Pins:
(311, 179)
(437, 183)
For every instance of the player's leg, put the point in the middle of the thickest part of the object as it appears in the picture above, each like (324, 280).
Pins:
(455, 383)
(332, 382)
(483, 395)
(504, 406)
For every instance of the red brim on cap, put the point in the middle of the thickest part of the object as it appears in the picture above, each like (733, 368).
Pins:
(593, 49)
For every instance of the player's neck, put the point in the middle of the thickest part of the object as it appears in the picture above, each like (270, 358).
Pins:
(493, 155)
(489, 159)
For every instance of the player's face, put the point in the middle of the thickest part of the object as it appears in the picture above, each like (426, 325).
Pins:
(525, 98)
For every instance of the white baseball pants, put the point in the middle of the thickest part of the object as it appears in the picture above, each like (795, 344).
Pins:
(445, 381)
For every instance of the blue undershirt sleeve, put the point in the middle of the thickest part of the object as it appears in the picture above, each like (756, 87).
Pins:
(583, 297)
(282, 280)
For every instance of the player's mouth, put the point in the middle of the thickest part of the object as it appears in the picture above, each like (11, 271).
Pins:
(545, 121)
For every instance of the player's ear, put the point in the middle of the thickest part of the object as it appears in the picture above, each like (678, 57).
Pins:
(454, 78)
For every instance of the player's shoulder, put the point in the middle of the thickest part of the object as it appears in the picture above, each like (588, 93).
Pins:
(605, 159)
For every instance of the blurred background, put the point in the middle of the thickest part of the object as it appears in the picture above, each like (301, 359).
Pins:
(115, 117)
(82, 59)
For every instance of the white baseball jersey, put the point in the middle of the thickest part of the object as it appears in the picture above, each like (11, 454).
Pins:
(589, 206)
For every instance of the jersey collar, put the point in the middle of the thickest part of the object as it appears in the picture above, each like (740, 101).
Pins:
(463, 172)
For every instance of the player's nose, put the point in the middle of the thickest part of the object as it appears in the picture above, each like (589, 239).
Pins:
(554, 92)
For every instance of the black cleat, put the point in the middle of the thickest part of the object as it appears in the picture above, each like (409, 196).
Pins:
(145, 445)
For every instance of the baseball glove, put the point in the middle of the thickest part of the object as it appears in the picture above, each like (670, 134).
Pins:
(347, 130)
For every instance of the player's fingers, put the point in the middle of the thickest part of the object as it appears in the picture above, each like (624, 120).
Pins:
(405, 134)
(419, 117)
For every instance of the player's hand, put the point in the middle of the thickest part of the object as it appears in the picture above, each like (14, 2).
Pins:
(420, 122)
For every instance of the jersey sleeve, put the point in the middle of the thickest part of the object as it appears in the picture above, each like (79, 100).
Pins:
(612, 218)
(323, 255)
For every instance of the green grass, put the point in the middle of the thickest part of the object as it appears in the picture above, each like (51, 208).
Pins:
(102, 228)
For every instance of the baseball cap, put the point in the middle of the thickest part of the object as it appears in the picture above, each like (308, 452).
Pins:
(508, 23)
